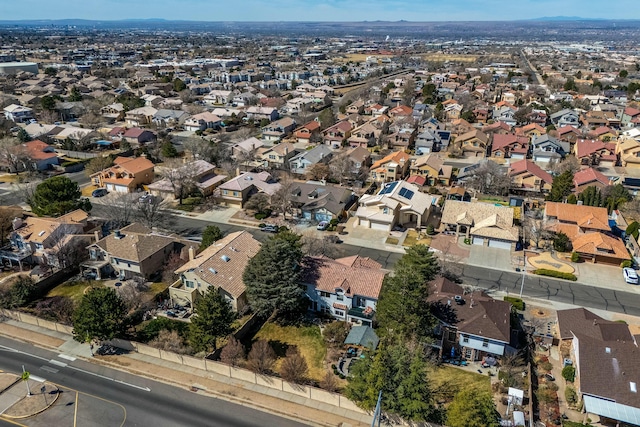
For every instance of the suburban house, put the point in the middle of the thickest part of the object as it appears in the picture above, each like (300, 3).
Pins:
(569, 134)
(392, 167)
(432, 167)
(262, 113)
(219, 268)
(588, 229)
(305, 133)
(302, 162)
(336, 135)
(33, 155)
(126, 175)
(246, 149)
(592, 152)
(603, 133)
(472, 326)
(527, 176)
(46, 241)
(482, 223)
(630, 117)
(199, 175)
(397, 203)
(132, 251)
(360, 159)
(565, 117)
(473, 143)
(346, 288)
(166, 118)
(138, 136)
(140, 116)
(238, 190)
(402, 138)
(202, 121)
(547, 148)
(605, 357)
(278, 129)
(113, 112)
(364, 136)
(507, 146)
(320, 202)
(531, 130)
(629, 152)
(278, 156)
(430, 140)
(17, 113)
(589, 177)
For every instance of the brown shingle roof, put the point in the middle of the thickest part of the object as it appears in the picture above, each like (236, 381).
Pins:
(362, 277)
(580, 320)
(136, 244)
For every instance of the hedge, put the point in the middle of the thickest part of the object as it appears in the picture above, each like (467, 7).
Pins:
(557, 274)
(517, 303)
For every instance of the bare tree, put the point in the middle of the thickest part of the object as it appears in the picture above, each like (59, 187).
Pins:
(570, 163)
(14, 155)
(121, 209)
(152, 212)
(319, 171)
(259, 202)
(294, 367)
(182, 178)
(97, 164)
(282, 199)
(199, 148)
(329, 382)
(261, 358)
(342, 169)
(312, 245)
(490, 178)
(536, 228)
(233, 353)
(169, 341)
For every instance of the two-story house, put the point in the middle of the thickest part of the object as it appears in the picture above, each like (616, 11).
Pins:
(202, 121)
(142, 116)
(433, 169)
(335, 136)
(134, 250)
(472, 326)
(218, 268)
(565, 117)
(364, 136)
(126, 175)
(33, 155)
(306, 133)
(113, 112)
(527, 176)
(17, 113)
(236, 191)
(547, 148)
(277, 157)
(593, 152)
(392, 167)
(278, 129)
(346, 288)
(473, 143)
(196, 176)
(509, 146)
(302, 162)
(320, 202)
(262, 113)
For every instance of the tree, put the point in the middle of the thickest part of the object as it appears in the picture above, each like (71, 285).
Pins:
(327, 118)
(570, 84)
(283, 197)
(294, 367)
(535, 229)
(561, 242)
(181, 177)
(569, 373)
(318, 172)
(614, 196)
(178, 85)
(623, 74)
(232, 353)
(329, 382)
(151, 212)
(261, 358)
(98, 164)
(100, 315)
(210, 235)
(561, 187)
(471, 408)
(75, 95)
(259, 202)
(23, 136)
(428, 92)
(169, 341)
(50, 71)
(335, 333)
(272, 277)
(633, 229)
(212, 320)
(168, 150)
(13, 154)
(7, 215)
(21, 292)
(58, 196)
(570, 163)
(490, 178)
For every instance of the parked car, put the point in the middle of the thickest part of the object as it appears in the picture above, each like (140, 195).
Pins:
(549, 377)
(630, 275)
(146, 197)
(99, 192)
(270, 229)
(323, 225)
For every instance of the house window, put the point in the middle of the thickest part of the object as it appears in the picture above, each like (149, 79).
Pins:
(465, 339)
(485, 342)
(339, 313)
(325, 294)
(189, 284)
(235, 194)
(362, 302)
(467, 353)
(451, 335)
(225, 192)
(340, 297)
(272, 157)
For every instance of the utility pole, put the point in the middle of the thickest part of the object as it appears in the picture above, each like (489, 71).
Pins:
(377, 413)
(524, 252)
(25, 378)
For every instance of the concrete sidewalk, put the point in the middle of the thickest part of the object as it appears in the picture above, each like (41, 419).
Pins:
(244, 393)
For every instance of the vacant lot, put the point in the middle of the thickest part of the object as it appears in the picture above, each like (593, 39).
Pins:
(308, 340)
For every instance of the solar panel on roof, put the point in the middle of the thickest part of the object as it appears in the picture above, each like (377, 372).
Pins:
(406, 193)
(388, 188)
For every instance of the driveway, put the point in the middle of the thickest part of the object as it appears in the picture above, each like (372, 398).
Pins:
(490, 257)
(603, 276)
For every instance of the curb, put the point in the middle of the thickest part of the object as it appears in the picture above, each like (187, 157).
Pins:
(10, 385)
(21, 417)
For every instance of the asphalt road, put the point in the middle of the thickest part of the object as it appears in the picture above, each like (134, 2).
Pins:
(15, 197)
(145, 402)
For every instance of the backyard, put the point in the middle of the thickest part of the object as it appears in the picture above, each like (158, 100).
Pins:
(447, 381)
(72, 289)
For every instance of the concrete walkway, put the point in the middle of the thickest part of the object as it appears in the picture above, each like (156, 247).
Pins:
(263, 398)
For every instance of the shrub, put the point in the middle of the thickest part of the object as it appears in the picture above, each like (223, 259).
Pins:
(557, 274)
(430, 230)
(626, 263)
(552, 386)
(329, 382)
(152, 329)
(260, 216)
(261, 358)
(233, 352)
(467, 241)
(262, 225)
(575, 257)
(294, 368)
(517, 303)
(342, 376)
(561, 242)
(571, 396)
(546, 366)
(335, 333)
(569, 373)
(169, 341)
(546, 395)
(334, 222)
(433, 190)
(633, 229)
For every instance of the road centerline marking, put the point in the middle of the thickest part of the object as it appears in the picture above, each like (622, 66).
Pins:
(58, 363)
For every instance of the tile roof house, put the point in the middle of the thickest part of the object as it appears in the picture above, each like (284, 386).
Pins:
(335, 136)
(589, 231)
(238, 190)
(305, 133)
(133, 251)
(346, 288)
(217, 268)
(510, 146)
(595, 152)
(33, 155)
(473, 327)
(397, 203)
(364, 136)
(589, 177)
(569, 134)
(605, 355)
(432, 167)
(126, 175)
(473, 143)
(392, 167)
(482, 223)
(527, 176)
(630, 116)
(531, 130)
(628, 149)
(278, 156)
(202, 121)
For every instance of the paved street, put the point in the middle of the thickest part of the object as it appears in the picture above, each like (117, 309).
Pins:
(109, 397)
(10, 195)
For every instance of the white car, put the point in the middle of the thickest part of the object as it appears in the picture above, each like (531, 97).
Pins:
(630, 275)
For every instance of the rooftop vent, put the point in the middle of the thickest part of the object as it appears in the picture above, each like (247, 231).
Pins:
(41, 233)
(225, 258)
(633, 387)
(213, 270)
(607, 350)
(118, 234)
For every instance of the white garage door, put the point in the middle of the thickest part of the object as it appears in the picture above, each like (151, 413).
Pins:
(364, 223)
(110, 187)
(500, 244)
(121, 189)
(379, 226)
(478, 240)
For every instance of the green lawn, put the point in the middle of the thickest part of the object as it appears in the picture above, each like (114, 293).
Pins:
(447, 381)
(308, 340)
(73, 290)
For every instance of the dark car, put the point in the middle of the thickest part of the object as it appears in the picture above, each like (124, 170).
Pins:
(270, 229)
(99, 192)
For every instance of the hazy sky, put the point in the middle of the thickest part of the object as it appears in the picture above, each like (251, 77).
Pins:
(316, 10)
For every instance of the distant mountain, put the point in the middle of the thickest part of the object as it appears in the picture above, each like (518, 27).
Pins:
(567, 18)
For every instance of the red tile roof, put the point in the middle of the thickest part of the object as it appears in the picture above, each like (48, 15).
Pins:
(501, 141)
(586, 176)
(360, 278)
(417, 180)
(528, 166)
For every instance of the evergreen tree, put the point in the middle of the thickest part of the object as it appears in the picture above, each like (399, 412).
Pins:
(414, 393)
(75, 95)
(169, 150)
(212, 320)
(613, 196)
(23, 136)
(472, 409)
(210, 235)
(57, 196)
(100, 315)
(561, 187)
(272, 277)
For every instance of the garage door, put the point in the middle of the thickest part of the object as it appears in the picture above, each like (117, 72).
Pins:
(500, 244)
(121, 189)
(110, 187)
(379, 226)
(478, 240)
(364, 223)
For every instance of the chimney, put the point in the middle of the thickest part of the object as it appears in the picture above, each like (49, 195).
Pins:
(17, 223)
(595, 322)
(192, 253)
(118, 235)
(96, 234)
